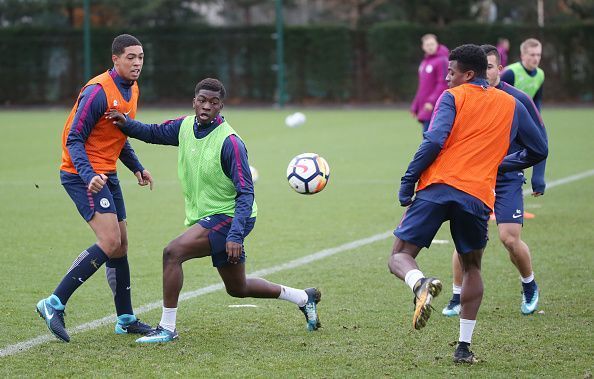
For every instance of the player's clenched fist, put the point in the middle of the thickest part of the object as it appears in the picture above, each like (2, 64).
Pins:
(97, 183)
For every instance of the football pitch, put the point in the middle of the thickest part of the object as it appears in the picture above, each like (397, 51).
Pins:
(338, 240)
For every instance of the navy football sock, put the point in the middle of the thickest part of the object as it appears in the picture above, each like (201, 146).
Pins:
(456, 298)
(118, 277)
(82, 268)
(529, 289)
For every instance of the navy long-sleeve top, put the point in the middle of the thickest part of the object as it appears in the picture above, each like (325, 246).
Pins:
(538, 171)
(523, 131)
(234, 161)
(92, 105)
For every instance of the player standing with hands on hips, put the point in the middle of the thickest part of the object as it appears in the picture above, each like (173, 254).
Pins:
(91, 146)
(219, 204)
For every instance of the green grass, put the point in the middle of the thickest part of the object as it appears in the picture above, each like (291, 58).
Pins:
(366, 313)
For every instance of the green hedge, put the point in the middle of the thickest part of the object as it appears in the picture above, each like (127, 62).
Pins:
(323, 63)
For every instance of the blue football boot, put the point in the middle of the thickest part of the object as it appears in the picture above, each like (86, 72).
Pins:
(529, 305)
(129, 324)
(310, 309)
(452, 309)
(52, 311)
(158, 335)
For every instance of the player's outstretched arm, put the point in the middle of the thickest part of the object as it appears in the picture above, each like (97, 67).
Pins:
(166, 133)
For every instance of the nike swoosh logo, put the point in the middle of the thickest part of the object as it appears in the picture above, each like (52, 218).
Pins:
(516, 216)
(128, 287)
(128, 112)
(47, 314)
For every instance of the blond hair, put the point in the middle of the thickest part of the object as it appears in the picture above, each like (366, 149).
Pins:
(530, 42)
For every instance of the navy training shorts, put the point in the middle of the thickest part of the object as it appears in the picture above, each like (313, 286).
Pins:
(423, 218)
(109, 200)
(509, 202)
(219, 226)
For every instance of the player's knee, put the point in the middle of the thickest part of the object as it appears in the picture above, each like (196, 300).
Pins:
(508, 240)
(122, 250)
(237, 291)
(111, 246)
(171, 254)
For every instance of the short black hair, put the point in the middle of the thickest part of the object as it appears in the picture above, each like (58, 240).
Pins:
(492, 50)
(470, 57)
(211, 84)
(121, 42)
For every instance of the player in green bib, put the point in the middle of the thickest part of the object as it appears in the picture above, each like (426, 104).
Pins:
(526, 75)
(220, 208)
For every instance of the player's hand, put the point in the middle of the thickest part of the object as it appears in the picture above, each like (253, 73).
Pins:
(537, 194)
(407, 190)
(119, 119)
(97, 183)
(234, 251)
(428, 107)
(144, 178)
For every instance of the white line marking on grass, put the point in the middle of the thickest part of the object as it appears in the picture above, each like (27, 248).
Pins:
(26, 345)
(440, 242)
(562, 181)
(243, 306)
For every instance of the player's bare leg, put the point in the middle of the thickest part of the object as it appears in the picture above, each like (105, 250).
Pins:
(471, 297)
(519, 254)
(238, 285)
(107, 231)
(402, 263)
(193, 243)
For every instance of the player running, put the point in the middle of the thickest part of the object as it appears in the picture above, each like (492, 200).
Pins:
(91, 146)
(509, 203)
(455, 167)
(220, 209)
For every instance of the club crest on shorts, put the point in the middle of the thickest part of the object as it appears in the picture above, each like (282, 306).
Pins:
(115, 103)
(104, 203)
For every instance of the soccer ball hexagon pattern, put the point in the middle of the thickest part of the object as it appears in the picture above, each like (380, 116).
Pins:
(308, 173)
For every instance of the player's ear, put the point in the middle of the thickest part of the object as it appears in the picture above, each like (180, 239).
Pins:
(221, 106)
(469, 75)
(114, 58)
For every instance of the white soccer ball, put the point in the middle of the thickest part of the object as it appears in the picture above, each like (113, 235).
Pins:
(308, 173)
(295, 119)
(255, 175)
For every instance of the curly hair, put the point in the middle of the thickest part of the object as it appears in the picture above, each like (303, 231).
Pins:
(211, 84)
(470, 57)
